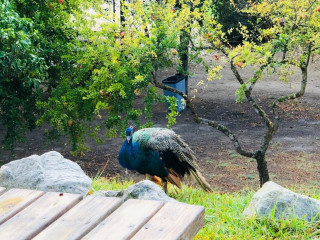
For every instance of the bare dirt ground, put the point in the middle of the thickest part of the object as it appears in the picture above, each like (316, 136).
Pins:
(293, 157)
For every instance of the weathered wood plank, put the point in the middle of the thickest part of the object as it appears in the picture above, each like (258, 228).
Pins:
(125, 221)
(14, 200)
(81, 219)
(173, 221)
(2, 190)
(38, 215)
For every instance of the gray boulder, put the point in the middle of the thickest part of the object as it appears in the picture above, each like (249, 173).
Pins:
(283, 203)
(146, 190)
(48, 172)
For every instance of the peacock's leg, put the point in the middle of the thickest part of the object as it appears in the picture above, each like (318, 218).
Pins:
(165, 186)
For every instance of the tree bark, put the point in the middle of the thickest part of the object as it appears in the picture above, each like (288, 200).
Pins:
(272, 127)
(114, 10)
(262, 167)
(122, 18)
(184, 56)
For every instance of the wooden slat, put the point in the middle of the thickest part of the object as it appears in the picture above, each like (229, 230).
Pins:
(125, 221)
(2, 190)
(33, 219)
(81, 219)
(173, 221)
(15, 200)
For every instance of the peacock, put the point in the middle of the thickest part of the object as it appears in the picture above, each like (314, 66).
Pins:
(160, 152)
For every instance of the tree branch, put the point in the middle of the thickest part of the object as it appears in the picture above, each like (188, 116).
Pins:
(201, 120)
(300, 93)
(229, 134)
(257, 108)
(271, 127)
(257, 73)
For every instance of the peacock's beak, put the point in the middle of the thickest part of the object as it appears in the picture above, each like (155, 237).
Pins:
(128, 138)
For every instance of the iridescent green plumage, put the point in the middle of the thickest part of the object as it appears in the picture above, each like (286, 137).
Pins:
(160, 152)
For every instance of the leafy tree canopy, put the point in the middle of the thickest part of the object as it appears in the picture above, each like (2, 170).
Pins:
(22, 68)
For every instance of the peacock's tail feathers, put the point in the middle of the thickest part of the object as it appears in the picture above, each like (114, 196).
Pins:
(174, 178)
(201, 180)
(166, 140)
(163, 139)
(185, 153)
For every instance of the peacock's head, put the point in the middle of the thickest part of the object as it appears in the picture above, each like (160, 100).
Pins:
(129, 132)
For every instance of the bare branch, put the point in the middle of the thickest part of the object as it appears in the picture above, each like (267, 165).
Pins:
(308, 56)
(229, 134)
(300, 93)
(257, 108)
(271, 127)
(291, 96)
(210, 123)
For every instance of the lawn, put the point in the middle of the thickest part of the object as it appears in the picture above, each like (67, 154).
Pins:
(223, 216)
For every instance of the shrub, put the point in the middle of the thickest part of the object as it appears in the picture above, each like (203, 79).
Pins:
(21, 71)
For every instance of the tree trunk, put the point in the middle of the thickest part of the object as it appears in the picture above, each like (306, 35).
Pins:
(122, 18)
(184, 57)
(114, 10)
(262, 167)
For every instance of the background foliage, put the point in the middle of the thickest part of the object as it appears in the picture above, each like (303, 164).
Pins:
(37, 37)
(65, 65)
(22, 68)
(115, 65)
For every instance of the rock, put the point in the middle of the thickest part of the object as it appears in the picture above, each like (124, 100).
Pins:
(146, 190)
(285, 204)
(48, 172)
(109, 193)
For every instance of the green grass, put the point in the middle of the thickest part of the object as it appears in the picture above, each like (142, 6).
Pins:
(223, 216)
(101, 183)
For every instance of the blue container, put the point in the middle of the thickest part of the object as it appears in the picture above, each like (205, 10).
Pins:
(178, 82)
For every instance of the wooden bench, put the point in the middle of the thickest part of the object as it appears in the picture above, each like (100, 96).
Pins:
(30, 214)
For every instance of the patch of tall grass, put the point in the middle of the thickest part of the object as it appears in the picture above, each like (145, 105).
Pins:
(223, 215)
